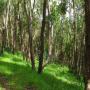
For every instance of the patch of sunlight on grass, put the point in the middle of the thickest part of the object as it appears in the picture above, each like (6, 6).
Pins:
(62, 73)
(12, 60)
(1, 88)
(68, 81)
(54, 76)
(55, 69)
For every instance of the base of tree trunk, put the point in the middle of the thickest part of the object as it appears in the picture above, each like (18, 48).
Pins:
(88, 85)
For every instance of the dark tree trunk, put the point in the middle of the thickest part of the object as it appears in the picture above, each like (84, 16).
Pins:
(87, 53)
(3, 40)
(42, 38)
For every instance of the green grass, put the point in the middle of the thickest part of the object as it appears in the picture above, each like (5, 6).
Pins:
(19, 75)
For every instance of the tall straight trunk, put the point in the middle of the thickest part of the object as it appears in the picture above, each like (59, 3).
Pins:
(5, 29)
(29, 20)
(7, 20)
(87, 53)
(14, 30)
(50, 34)
(3, 40)
(75, 56)
(40, 67)
(50, 41)
(31, 43)
(31, 37)
(20, 33)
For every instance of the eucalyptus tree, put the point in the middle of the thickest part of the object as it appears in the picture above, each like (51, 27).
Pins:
(40, 67)
(4, 10)
(29, 8)
(87, 59)
(57, 34)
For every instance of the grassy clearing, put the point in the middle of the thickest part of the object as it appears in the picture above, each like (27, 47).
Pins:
(19, 75)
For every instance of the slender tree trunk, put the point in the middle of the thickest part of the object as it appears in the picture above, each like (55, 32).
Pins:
(31, 43)
(74, 38)
(29, 20)
(87, 60)
(50, 34)
(42, 38)
(14, 31)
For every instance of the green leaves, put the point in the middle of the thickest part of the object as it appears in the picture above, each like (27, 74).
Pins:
(54, 16)
(2, 5)
(57, 10)
(62, 8)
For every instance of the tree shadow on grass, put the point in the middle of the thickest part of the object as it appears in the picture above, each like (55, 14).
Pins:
(58, 84)
(20, 77)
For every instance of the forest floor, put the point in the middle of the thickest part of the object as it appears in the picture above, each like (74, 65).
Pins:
(16, 74)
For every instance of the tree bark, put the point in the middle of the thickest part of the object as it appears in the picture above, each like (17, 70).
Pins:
(29, 20)
(87, 40)
(40, 67)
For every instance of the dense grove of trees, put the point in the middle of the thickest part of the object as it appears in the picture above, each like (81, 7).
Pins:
(52, 30)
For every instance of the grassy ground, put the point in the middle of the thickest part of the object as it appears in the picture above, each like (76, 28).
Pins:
(19, 76)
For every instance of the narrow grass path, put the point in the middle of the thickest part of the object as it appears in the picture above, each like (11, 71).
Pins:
(3, 83)
(16, 74)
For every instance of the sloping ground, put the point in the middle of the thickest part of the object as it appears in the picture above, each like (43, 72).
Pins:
(16, 74)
